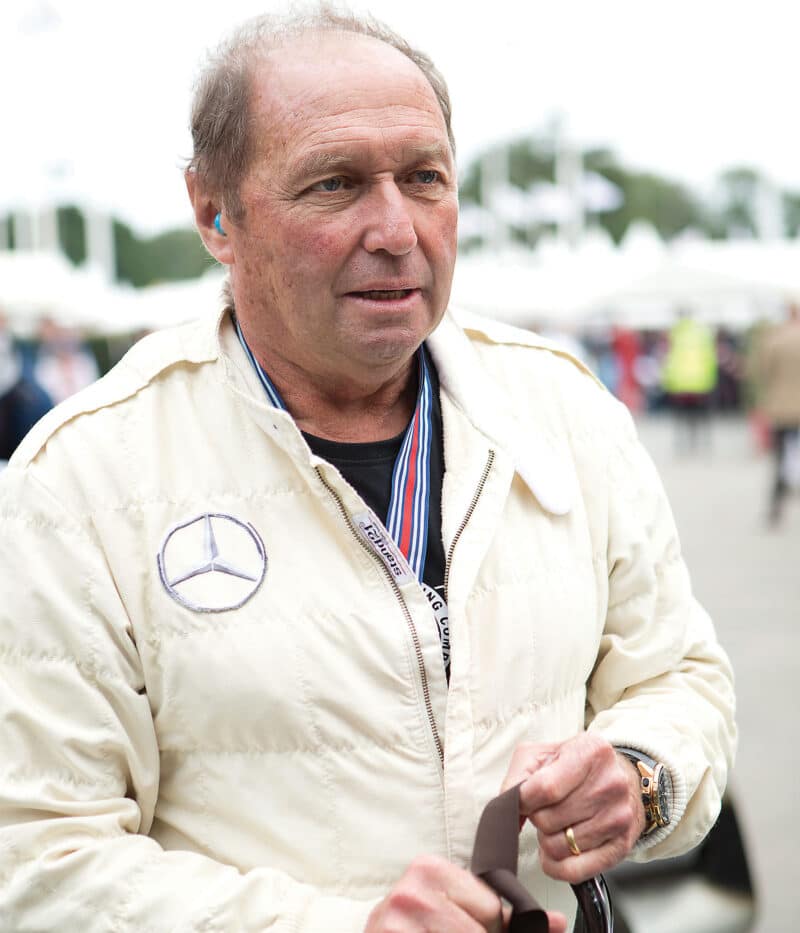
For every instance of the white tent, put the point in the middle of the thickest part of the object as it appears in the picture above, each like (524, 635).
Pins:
(34, 285)
(172, 303)
(554, 285)
(643, 283)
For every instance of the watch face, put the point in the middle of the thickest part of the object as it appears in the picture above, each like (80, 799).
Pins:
(663, 797)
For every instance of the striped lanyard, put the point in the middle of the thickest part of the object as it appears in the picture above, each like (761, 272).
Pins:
(409, 506)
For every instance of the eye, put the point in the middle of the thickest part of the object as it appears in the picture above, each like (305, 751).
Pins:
(425, 176)
(330, 185)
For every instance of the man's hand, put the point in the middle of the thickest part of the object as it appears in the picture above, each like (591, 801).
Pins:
(586, 785)
(435, 896)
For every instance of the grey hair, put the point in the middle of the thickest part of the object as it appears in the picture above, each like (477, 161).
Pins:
(220, 123)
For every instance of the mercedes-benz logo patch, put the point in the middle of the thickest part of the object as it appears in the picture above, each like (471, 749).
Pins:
(212, 562)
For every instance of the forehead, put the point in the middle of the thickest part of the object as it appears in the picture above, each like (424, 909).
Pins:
(331, 89)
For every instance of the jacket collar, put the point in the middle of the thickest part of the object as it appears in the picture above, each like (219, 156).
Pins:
(542, 463)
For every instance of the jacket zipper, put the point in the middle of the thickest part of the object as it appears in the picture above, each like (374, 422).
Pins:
(464, 521)
(409, 621)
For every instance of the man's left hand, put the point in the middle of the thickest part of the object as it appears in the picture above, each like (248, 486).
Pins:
(585, 785)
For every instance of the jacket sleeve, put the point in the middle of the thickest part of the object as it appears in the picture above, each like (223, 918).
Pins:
(79, 766)
(662, 683)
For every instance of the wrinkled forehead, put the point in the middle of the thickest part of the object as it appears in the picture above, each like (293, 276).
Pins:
(322, 74)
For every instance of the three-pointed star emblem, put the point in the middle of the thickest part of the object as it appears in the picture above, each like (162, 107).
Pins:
(245, 561)
(212, 562)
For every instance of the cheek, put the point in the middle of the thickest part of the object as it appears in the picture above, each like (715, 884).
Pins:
(294, 259)
(451, 226)
(443, 232)
(320, 245)
(443, 257)
(306, 248)
(289, 246)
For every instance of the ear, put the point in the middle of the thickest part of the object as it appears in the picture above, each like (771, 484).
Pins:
(206, 207)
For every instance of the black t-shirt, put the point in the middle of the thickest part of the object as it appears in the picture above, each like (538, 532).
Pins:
(369, 467)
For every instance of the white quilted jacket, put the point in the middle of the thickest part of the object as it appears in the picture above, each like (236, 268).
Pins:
(277, 764)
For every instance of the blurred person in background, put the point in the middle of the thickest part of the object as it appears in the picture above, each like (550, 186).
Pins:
(22, 400)
(295, 590)
(647, 370)
(760, 431)
(627, 348)
(64, 364)
(730, 366)
(689, 377)
(778, 393)
(601, 356)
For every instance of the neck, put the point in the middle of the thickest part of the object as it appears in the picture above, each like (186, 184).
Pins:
(353, 415)
(355, 410)
(341, 401)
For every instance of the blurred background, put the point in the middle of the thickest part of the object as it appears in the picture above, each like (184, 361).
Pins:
(630, 187)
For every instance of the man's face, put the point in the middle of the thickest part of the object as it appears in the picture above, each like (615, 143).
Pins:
(343, 261)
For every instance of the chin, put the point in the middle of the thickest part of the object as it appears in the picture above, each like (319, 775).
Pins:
(388, 352)
(399, 338)
(394, 344)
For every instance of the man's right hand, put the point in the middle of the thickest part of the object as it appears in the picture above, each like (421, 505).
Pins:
(435, 896)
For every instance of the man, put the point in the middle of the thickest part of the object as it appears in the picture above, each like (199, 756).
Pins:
(22, 400)
(296, 592)
(689, 378)
(779, 392)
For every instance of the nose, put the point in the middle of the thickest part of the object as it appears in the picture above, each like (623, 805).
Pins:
(389, 221)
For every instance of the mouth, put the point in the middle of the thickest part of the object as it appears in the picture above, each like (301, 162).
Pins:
(386, 294)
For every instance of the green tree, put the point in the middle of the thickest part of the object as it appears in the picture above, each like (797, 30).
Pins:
(529, 160)
(11, 231)
(72, 233)
(738, 190)
(791, 212)
(168, 257)
(668, 205)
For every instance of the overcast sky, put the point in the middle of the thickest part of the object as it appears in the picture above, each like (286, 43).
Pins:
(96, 94)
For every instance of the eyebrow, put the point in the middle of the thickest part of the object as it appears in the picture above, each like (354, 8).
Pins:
(323, 163)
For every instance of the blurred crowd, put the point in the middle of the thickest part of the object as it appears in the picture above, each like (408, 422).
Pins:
(689, 369)
(695, 372)
(37, 374)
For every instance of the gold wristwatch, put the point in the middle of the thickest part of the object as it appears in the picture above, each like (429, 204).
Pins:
(656, 788)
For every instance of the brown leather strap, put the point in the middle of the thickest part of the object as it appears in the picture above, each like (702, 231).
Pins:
(494, 860)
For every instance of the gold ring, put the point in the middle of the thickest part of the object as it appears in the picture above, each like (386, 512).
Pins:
(573, 846)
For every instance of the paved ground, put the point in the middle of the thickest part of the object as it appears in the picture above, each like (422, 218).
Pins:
(749, 579)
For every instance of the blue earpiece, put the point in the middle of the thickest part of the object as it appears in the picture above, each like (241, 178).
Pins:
(218, 224)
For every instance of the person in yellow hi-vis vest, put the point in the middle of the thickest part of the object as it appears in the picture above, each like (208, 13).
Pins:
(689, 378)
